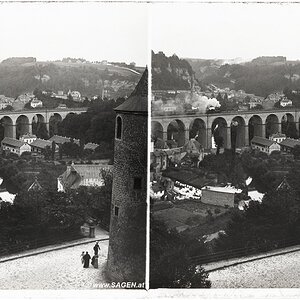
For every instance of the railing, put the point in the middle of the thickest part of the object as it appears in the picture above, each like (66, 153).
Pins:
(246, 251)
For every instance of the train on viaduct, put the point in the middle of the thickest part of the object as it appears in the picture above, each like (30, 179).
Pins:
(182, 127)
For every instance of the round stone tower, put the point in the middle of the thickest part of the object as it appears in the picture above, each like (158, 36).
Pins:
(127, 236)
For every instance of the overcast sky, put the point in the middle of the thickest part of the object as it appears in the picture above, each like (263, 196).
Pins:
(94, 31)
(226, 30)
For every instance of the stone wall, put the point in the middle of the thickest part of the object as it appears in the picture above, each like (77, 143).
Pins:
(127, 245)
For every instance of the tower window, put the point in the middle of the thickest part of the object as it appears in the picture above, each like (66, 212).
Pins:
(116, 210)
(137, 183)
(119, 128)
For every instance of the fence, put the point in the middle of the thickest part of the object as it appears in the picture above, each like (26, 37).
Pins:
(246, 251)
(7, 248)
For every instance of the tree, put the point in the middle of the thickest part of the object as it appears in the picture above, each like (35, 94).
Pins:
(219, 97)
(296, 152)
(47, 152)
(41, 131)
(291, 130)
(170, 264)
(71, 149)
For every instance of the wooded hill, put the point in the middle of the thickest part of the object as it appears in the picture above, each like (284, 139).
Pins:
(261, 76)
(19, 76)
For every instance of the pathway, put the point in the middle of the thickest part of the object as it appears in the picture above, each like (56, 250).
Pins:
(54, 267)
(280, 271)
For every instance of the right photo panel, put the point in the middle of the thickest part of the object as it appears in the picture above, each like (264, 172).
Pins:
(225, 147)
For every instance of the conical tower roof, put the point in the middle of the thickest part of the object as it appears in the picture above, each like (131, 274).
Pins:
(137, 102)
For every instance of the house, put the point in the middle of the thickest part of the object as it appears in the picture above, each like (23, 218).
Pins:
(264, 145)
(59, 140)
(277, 137)
(36, 103)
(159, 143)
(62, 106)
(285, 102)
(25, 98)
(15, 146)
(162, 158)
(275, 97)
(61, 95)
(91, 146)
(39, 145)
(76, 96)
(194, 149)
(81, 175)
(221, 196)
(289, 144)
(28, 138)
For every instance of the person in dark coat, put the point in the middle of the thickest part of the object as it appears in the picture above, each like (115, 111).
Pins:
(96, 248)
(86, 259)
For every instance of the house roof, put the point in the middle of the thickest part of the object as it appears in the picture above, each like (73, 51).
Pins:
(137, 102)
(277, 135)
(262, 141)
(193, 145)
(35, 186)
(91, 146)
(291, 143)
(40, 143)
(62, 139)
(160, 144)
(284, 185)
(28, 136)
(12, 142)
(71, 178)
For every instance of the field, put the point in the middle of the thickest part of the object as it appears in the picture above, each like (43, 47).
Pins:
(196, 219)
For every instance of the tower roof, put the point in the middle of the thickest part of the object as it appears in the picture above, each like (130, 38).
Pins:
(137, 102)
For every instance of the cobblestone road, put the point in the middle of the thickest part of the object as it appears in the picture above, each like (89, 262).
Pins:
(274, 272)
(60, 269)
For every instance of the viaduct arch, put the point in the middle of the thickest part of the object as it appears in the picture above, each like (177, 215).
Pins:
(16, 123)
(242, 126)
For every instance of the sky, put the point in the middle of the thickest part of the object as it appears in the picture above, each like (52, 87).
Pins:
(199, 30)
(94, 31)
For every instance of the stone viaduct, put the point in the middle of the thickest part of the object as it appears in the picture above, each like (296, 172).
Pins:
(16, 123)
(182, 127)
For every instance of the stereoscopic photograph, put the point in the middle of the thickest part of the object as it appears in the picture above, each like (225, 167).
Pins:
(73, 164)
(224, 164)
(199, 195)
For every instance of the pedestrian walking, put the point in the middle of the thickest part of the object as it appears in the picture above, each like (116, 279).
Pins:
(94, 261)
(96, 248)
(81, 256)
(86, 259)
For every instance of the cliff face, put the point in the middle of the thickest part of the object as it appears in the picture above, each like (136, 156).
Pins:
(171, 73)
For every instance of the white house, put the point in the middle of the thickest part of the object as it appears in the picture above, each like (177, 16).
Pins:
(81, 175)
(286, 102)
(28, 138)
(277, 137)
(221, 196)
(75, 95)
(15, 146)
(264, 145)
(36, 103)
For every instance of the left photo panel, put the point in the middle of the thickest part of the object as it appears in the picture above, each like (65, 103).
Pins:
(74, 145)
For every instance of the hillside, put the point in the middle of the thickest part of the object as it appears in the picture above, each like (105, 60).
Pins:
(20, 75)
(171, 73)
(261, 76)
